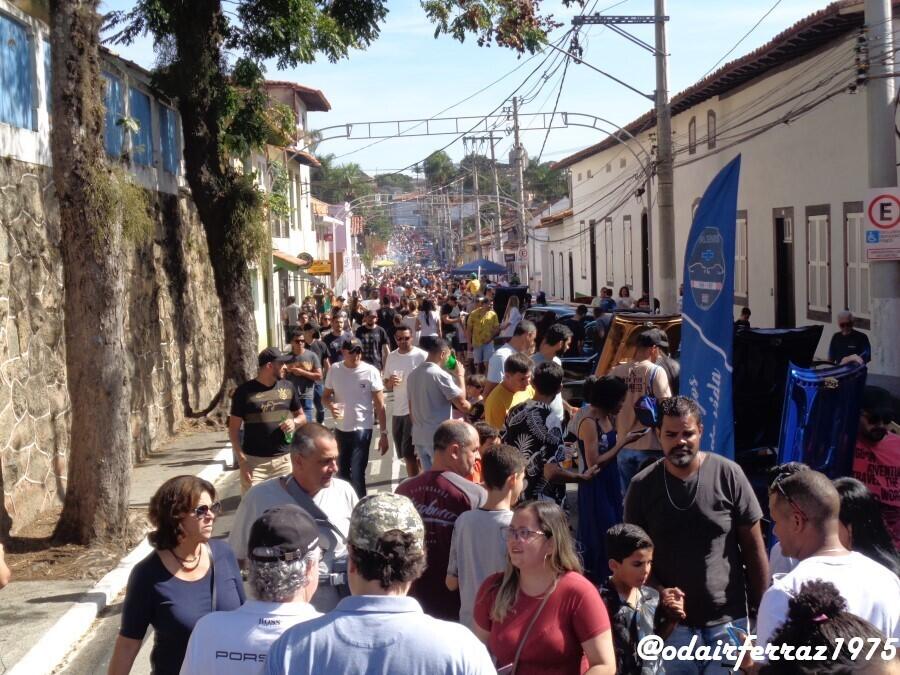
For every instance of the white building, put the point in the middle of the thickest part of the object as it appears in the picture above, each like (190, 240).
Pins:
(294, 237)
(791, 110)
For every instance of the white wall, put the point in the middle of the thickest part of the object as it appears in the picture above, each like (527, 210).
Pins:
(818, 159)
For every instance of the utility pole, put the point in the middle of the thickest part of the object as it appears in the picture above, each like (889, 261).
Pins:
(496, 237)
(520, 234)
(884, 275)
(664, 169)
(477, 204)
(665, 193)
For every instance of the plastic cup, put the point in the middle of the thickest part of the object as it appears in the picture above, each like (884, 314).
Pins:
(338, 411)
(398, 375)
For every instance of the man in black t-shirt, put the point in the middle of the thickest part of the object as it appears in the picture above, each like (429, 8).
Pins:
(576, 324)
(334, 339)
(450, 325)
(269, 409)
(848, 341)
(387, 319)
(375, 340)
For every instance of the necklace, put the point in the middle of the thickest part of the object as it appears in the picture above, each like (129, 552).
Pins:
(185, 562)
(696, 489)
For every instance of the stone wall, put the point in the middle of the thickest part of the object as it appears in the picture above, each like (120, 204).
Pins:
(173, 329)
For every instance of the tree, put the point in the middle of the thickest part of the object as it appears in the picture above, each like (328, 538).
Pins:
(99, 474)
(337, 184)
(394, 180)
(547, 184)
(439, 169)
(211, 62)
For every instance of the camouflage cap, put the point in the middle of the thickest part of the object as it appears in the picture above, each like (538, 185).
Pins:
(376, 515)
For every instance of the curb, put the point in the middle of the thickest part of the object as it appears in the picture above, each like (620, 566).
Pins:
(63, 636)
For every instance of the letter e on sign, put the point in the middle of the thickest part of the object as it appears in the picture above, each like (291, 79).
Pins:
(881, 235)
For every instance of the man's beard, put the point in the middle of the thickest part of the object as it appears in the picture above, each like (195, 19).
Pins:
(681, 458)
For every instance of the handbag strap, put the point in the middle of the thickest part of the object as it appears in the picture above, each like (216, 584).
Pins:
(306, 502)
(653, 370)
(531, 623)
(212, 573)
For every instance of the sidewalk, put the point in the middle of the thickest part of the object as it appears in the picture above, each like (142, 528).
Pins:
(29, 609)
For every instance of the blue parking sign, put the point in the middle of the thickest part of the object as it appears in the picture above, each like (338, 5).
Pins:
(872, 236)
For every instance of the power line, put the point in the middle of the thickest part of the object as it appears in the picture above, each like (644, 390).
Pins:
(744, 37)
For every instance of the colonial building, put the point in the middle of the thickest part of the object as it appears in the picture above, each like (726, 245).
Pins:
(795, 112)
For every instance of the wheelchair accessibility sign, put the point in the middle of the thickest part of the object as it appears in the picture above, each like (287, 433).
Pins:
(882, 224)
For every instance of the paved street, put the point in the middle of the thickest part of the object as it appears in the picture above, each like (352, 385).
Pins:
(96, 649)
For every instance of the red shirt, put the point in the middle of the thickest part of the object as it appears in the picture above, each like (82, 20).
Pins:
(573, 614)
(878, 466)
(440, 497)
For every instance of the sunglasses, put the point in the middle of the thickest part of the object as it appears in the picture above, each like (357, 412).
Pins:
(778, 486)
(300, 341)
(845, 325)
(521, 533)
(207, 510)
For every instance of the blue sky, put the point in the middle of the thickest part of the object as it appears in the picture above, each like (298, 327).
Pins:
(408, 74)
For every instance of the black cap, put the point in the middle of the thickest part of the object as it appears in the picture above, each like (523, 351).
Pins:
(284, 532)
(352, 344)
(653, 337)
(270, 354)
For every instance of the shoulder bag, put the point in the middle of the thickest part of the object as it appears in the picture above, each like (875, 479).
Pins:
(511, 668)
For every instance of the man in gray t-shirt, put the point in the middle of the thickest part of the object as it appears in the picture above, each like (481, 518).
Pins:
(433, 392)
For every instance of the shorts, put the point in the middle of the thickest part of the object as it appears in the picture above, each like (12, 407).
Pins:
(483, 353)
(264, 468)
(426, 456)
(401, 430)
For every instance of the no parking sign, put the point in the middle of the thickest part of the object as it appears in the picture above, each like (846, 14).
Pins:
(882, 225)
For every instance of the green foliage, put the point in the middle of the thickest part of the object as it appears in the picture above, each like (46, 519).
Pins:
(546, 184)
(514, 24)
(117, 198)
(276, 198)
(251, 120)
(439, 168)
(247, 231)
(394, 180)
(338, 184)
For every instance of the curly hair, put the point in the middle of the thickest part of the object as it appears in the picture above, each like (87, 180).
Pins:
(393, 562)
(279, 581)
(173, 500)
(818, 617)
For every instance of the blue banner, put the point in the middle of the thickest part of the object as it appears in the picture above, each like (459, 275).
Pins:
(707, 332)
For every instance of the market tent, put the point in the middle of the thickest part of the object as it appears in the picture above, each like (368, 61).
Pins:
(482, 266)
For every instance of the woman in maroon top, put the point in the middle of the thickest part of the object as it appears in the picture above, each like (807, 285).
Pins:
(541, 607)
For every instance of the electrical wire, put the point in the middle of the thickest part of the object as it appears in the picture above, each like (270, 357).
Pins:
(744, 37)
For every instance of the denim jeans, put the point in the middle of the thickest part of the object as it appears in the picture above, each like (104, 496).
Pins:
(353, 457)
(426, 456)
(318, 390)
(630, 461)
(308, 409)
(709, 636)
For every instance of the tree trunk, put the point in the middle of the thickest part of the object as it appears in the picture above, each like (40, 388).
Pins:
(224, 197)
(99, 475)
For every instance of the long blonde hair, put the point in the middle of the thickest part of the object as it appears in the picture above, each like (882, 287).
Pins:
(563, 559)
(512, 302)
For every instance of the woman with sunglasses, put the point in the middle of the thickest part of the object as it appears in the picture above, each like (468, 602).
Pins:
(540, 616)
(186, 577)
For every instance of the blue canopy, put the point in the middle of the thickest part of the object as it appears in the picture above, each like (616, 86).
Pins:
(483, 265)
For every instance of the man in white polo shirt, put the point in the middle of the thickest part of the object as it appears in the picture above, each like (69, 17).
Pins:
(284, 574)
(400, 363)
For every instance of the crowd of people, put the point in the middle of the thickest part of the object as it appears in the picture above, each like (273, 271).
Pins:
(529, 535)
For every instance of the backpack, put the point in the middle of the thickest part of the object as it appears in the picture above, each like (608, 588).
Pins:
(646, 408)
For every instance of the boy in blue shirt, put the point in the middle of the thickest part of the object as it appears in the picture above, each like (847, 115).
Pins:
(634, 608)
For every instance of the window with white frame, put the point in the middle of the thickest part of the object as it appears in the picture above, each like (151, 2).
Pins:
(608, 238)
(16, 75)
(582, 240)
(741, 270)
(856, 266)
(626, 251)
(818, 263)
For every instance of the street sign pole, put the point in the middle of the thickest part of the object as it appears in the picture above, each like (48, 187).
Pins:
(884, 276)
